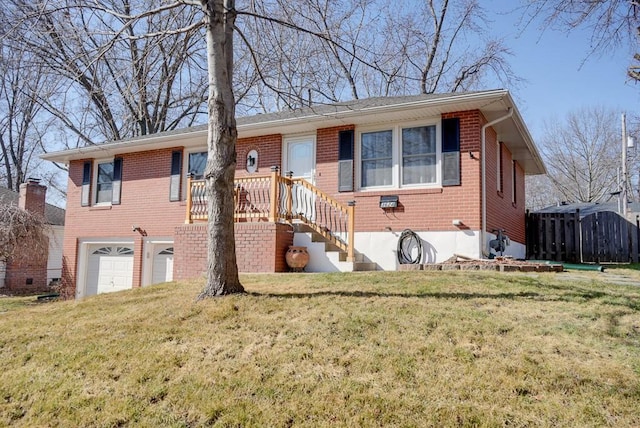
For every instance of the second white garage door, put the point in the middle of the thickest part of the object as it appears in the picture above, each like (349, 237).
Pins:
(110, 269)
(162, 264)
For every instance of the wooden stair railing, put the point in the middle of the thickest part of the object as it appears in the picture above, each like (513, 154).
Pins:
(276, 198)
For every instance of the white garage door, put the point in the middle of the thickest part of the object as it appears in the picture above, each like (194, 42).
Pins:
(162, 264)
(110, 269)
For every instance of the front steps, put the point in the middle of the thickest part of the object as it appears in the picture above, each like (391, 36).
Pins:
(325, 256)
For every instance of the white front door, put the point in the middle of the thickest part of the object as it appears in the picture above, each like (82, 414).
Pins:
(300, 158)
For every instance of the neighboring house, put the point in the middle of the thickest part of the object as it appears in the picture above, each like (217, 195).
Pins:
(414, 162)
(34, 275)
(588, 208)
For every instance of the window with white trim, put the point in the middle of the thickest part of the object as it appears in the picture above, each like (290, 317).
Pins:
(405, 155)
(197, 161)
(106, 182)
(419, 155)
(377, 158)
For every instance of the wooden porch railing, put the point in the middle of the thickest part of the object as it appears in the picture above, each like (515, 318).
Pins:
(276, 198)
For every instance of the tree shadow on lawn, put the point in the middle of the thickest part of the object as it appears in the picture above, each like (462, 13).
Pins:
(463, 296)
(568, 293)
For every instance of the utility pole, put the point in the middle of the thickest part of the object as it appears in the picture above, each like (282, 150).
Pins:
(623, 191)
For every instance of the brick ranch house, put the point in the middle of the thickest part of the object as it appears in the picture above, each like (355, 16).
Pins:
(450, 167)
(35, 274)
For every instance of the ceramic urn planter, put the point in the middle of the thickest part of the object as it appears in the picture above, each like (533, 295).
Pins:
(297, 258)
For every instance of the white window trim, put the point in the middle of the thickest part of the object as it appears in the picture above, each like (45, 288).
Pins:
(396, 155)
(94, 183)
(185, 167)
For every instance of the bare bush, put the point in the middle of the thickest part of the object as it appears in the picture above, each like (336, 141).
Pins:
(22, 233)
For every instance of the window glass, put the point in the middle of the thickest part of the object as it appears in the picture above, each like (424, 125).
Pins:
(197, 163)
(419, 155)
(104, 185)
(376, 154)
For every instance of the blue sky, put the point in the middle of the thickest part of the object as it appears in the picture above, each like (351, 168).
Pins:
(560, 74)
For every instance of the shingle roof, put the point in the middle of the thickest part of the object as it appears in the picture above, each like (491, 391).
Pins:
(353, 105)
(314, 110)
(494, 105)
(53, 214)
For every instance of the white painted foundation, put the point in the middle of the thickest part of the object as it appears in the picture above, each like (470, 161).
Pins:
(381, 249)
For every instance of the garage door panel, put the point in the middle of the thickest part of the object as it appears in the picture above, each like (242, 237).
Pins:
(162, 270)
(110, 269)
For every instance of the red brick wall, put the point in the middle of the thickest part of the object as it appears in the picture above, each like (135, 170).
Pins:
(269, 148)
(144, 203)
(189, 251)
(20, 271)
(420, 209)
(434, 209)
(260, 247)
(502, 213)
(327, 160)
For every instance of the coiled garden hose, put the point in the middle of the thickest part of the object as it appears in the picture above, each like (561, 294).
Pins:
(406, 243)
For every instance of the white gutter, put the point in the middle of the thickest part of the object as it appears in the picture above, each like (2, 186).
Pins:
(484, 176)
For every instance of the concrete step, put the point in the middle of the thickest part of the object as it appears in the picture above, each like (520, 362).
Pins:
(364, 266)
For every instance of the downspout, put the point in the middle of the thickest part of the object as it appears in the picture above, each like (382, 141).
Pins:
(484, 176)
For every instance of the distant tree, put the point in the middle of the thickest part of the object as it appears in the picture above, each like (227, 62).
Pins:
(21, 123)
(582, 154)
(351, 49)
(541, 192)
(23, 235)
(612, 22)
(148, 79)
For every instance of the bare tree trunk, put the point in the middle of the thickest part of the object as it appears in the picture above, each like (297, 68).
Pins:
(222, 270)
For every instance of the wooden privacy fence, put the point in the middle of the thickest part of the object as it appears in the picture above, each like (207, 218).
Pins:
(601, 237)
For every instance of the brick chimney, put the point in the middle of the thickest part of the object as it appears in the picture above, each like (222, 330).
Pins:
(32, 196)
(28, 275)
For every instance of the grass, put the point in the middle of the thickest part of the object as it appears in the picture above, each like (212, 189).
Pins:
(11, 303)
(370, 349)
